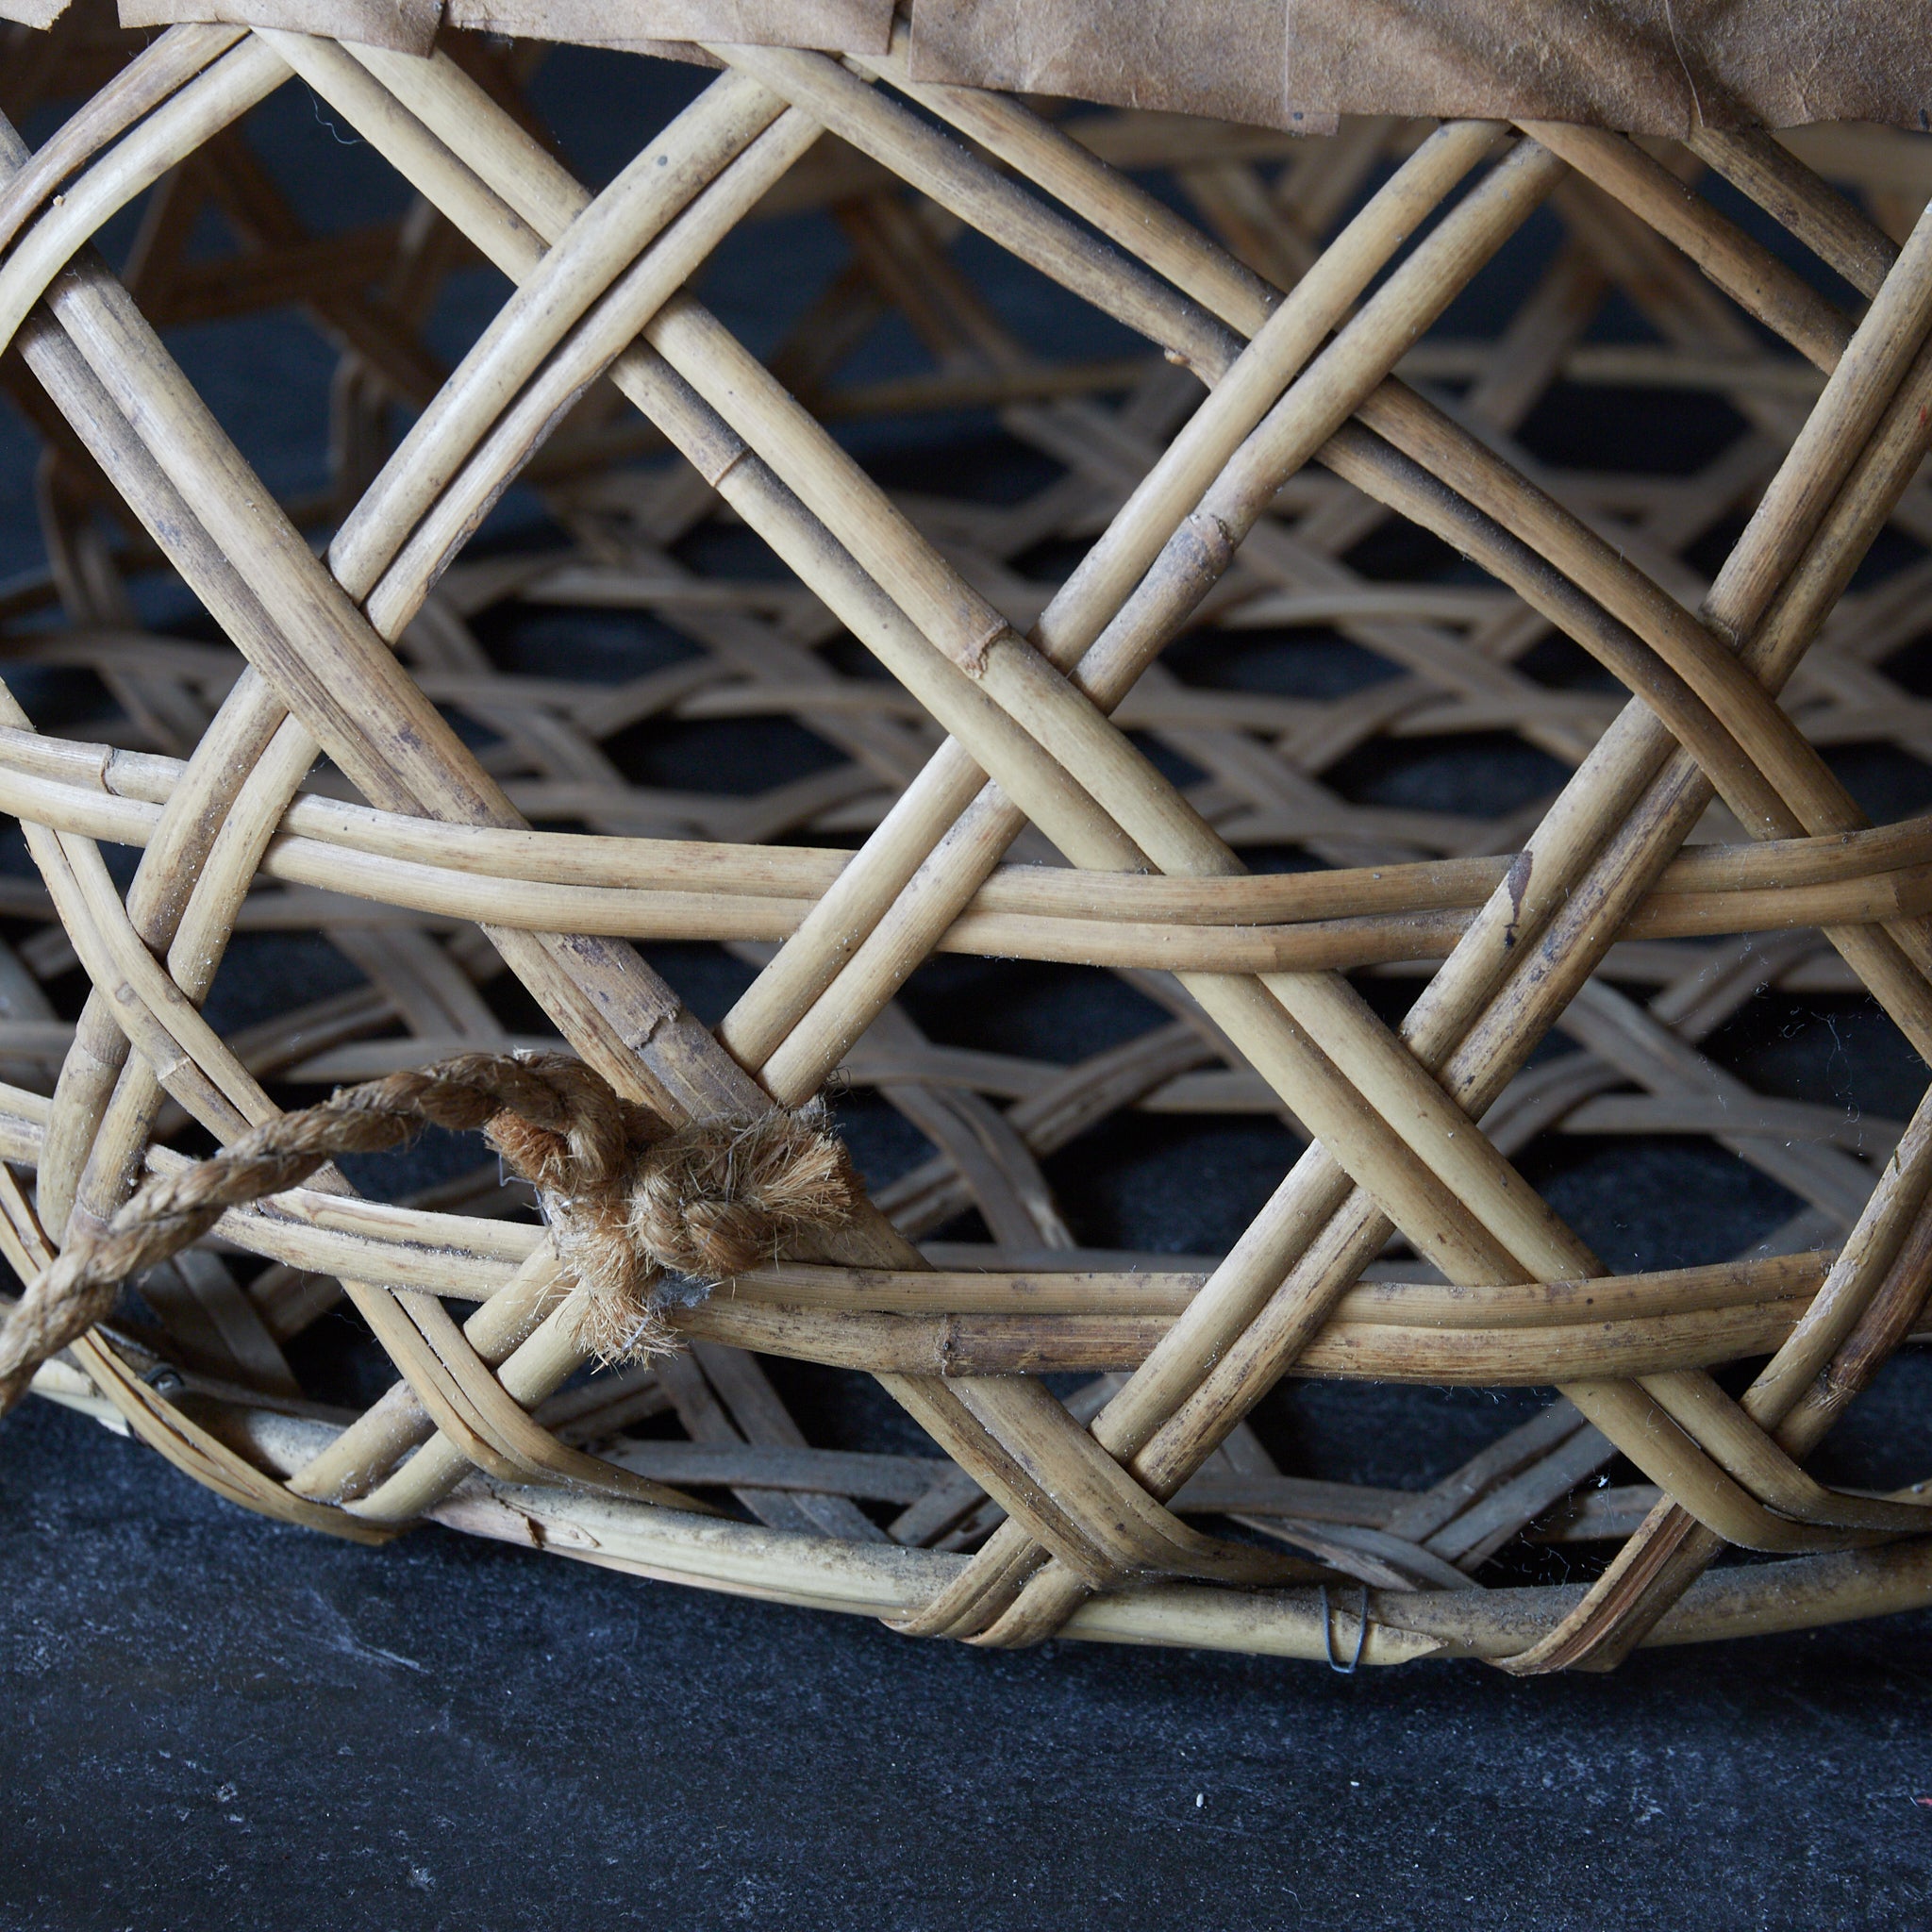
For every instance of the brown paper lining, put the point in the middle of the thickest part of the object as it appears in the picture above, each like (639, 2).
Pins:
(840, 26)
(407, 25)
(1646, 66)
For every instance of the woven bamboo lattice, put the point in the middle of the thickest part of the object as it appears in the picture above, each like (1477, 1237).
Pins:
(1030, 780)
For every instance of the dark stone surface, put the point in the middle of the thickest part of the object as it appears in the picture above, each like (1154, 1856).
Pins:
(213, 1720)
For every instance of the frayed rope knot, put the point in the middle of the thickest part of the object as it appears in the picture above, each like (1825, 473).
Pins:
(628, 1197)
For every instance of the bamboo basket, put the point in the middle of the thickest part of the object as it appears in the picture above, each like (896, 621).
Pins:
(1005, 791)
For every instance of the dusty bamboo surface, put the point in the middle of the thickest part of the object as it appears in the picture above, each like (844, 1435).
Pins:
(993, 795)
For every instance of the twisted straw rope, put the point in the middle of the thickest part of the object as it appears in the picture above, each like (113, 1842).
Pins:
(625, 1196)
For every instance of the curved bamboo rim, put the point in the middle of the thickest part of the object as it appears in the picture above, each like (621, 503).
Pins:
(671, 888)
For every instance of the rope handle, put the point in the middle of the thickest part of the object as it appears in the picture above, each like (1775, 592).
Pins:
(626, 1196)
